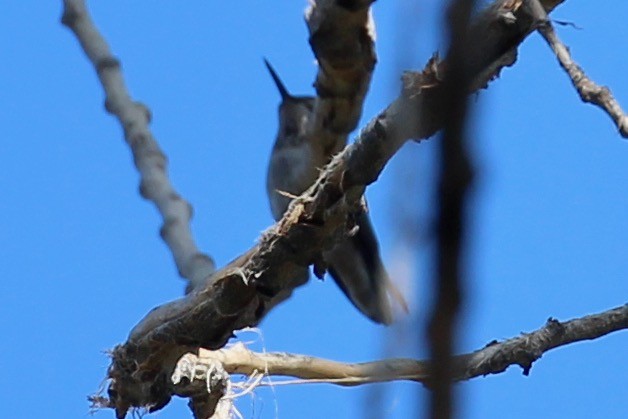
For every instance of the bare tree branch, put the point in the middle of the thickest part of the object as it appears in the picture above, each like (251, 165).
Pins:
(342, 37)
(494, 358)
(149, 160)
(236, 295)
(588, 90)
(453, 183)
(239, 294)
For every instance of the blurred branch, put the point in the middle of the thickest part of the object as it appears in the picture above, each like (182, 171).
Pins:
(588, 90)
(494, 358)
(149, 160)
(453, 180)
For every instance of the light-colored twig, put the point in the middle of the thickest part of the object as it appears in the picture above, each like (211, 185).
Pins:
(589, 91)
(149, 160)
(494, 358)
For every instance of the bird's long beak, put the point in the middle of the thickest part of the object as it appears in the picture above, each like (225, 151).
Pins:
(280, 86)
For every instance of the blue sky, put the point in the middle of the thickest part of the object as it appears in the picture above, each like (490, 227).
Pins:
(82, 261)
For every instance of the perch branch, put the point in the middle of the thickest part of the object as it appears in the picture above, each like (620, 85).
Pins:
(149, 160)
(588, 90)
(494, 358)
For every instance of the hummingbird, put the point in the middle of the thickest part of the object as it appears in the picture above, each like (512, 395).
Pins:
(295, 162)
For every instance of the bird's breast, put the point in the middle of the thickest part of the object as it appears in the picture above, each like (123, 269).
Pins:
(292, 169)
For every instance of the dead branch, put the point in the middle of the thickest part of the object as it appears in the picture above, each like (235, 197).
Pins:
(239, 295)
(150, 161)
(494, 358)
(589, 91)
(342, 38)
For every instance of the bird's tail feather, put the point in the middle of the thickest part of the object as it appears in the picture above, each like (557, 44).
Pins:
(356, 266)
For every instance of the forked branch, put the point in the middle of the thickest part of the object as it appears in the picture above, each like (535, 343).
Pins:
(589, 91)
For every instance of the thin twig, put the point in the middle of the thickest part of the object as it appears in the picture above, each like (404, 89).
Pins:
(149, 160)
(588, 90)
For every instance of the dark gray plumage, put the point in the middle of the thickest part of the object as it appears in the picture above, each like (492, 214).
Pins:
(295, 161)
